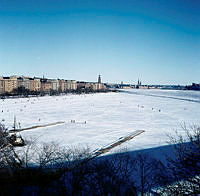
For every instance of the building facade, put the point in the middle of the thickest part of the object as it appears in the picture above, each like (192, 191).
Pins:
(2, 86)
(10, 84)
(70, 85)
(46, 85)
(35, 84)
(61, 85)
(24, 82)
(55, 85)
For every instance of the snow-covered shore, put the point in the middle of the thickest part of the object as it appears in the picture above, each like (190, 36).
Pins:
(102, 118)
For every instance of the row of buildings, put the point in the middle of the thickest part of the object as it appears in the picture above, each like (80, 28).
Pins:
(9, 84)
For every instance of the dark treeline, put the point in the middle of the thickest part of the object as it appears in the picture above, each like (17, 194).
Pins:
(52, 170)
(23, 92)
(194, 86)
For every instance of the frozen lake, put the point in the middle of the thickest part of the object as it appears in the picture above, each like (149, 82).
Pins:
(108, 116)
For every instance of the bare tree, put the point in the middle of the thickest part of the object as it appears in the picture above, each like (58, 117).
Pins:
(184, 168)
(148, 173)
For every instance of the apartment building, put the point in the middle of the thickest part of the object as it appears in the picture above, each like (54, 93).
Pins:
(61, 85)
(10, 83)
(70, 85)
(81, 84)
(46, 85)
(1, 86)
(91, 85)
(35, 84)
(24, 82)
(97, 86)
(55, 84)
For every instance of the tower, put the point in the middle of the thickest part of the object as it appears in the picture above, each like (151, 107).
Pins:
(99, 79)
(138, 83)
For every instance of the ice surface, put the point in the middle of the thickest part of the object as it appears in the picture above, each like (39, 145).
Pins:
(108, 117)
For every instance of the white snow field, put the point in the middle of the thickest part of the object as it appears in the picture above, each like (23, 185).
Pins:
(108, 117)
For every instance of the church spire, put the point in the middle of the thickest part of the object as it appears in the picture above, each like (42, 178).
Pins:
(138, 83)
(99, 79)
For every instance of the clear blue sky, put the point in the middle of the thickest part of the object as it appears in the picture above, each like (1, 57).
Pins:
(157, 41)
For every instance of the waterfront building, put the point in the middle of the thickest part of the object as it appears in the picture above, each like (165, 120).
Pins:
(61, 85)
(23, 82)
(99, 84)
(2, 86)
(95, 86)
(10, 83)
(82, 84)
(70, 85)
(46, 85)
(55, 84)
(35, 84)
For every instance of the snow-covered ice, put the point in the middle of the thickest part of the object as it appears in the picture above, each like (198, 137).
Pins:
(108, 117)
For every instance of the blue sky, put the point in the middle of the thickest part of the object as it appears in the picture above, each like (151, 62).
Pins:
(157, 41)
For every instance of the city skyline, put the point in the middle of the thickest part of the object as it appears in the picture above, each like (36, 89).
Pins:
(155, 41)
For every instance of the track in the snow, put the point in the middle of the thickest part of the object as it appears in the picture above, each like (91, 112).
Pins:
(37, 126)
(107, 148)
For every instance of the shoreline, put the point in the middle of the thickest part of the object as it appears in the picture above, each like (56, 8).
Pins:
(42, 94)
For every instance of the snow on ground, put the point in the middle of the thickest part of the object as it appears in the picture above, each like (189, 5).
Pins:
(108, 117)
